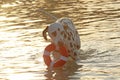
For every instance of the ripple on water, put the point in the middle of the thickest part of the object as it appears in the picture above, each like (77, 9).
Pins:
(22, 44)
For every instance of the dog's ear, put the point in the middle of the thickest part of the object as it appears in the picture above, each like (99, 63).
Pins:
(44, 33)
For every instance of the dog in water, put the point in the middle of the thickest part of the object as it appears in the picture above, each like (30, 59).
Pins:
(65, 43)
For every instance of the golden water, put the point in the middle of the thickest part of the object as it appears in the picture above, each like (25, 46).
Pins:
(22, 44)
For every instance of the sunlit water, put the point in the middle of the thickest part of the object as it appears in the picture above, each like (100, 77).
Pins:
(22, 44)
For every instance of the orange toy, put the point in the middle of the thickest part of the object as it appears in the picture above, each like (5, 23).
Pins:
(60, 62)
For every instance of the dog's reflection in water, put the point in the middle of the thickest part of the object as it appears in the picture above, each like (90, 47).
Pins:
(62, 73)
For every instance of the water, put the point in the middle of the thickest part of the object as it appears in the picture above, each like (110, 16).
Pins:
(22, 44)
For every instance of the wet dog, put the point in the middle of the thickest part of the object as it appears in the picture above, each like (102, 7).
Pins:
(62, 33)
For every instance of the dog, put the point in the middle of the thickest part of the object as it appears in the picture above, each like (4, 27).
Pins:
(63, 32)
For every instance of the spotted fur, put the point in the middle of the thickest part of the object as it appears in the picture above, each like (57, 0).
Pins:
(63, 30)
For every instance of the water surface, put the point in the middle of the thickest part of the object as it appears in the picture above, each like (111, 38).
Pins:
(22, 44)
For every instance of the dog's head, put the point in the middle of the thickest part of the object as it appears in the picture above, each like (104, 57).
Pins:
(63, 30)
(66, 22)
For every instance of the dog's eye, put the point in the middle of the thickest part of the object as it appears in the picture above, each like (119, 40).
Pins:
(54, 34)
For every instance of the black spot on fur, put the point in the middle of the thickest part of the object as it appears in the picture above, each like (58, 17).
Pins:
(54, 34)
(62, 33)
(73, 38)
(78, 46)
(58, 29)
(71, 45)
(75, 54)
(68, 51)
(65, 35)
(69, 38)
